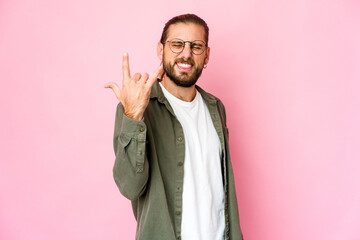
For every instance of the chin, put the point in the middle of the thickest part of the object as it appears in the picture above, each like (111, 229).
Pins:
(182, 79)
(186, 82)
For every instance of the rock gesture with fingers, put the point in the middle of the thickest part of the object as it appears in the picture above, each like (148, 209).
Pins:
(135, 92)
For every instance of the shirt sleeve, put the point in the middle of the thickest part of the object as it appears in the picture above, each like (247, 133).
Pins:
(131, 168)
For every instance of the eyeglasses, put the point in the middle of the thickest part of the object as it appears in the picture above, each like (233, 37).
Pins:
(177, 46)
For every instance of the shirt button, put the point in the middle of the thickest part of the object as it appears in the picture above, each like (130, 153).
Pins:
(142, 129)
(180, 139)
(177, 212)
(180, 164)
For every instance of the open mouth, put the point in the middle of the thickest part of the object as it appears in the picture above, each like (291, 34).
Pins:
(184, 66)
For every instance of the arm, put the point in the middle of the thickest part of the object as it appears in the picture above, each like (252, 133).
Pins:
(131, 168)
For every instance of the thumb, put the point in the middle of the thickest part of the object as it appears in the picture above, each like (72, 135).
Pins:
(115, 88)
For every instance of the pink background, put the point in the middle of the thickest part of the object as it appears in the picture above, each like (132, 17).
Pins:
(288, 73)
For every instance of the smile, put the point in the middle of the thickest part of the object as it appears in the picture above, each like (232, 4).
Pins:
(184, 66)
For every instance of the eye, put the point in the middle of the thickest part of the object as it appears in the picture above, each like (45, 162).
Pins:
(177, 44)
(197, 46)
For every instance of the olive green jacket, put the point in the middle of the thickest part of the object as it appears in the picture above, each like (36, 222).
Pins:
(149, 167)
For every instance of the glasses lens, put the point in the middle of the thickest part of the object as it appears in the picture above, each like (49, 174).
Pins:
(176, 46)
(198, 47)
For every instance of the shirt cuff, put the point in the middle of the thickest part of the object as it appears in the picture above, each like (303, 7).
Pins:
(133, 126)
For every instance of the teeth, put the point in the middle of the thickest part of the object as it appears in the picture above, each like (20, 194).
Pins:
(184, 65)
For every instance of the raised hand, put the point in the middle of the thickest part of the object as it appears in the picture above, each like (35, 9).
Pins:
(135, 92)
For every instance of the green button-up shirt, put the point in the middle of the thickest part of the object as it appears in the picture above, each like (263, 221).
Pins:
(149, 167)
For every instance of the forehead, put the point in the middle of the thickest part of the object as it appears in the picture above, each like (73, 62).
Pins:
(186, 31)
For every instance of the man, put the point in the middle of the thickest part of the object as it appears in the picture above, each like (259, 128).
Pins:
(171, 143)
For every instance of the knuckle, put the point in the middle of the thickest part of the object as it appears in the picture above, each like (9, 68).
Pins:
(137, 76)
(145, 76)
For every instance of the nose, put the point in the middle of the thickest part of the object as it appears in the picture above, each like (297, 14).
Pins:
(186, 53)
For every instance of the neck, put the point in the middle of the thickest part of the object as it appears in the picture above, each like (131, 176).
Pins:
(186, 94)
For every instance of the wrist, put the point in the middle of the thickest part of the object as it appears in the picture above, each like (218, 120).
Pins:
(138, 117)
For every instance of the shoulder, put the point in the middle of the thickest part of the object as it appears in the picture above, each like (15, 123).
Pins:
(210, 97)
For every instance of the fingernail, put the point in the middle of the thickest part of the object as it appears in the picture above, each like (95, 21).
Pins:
(125, 54)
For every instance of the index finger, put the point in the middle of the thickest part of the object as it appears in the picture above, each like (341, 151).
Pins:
(125, 67)
(154, 77)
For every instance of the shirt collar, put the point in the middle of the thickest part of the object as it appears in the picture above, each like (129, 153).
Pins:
(156, 92)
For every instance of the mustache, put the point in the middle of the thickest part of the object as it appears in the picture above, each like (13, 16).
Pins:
(189, 61)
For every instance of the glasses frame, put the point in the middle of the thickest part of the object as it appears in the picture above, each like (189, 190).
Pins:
(191, 45)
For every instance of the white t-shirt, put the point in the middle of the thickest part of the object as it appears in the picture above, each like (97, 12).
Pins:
(203, 192)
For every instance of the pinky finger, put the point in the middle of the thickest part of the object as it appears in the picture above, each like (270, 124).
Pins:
(152, 80)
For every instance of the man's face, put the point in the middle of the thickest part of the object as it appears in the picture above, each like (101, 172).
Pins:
(184, 68)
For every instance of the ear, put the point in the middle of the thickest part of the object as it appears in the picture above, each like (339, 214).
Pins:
(207, 55)
(160, 50)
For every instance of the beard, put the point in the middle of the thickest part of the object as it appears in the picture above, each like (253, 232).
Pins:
(184, 79)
